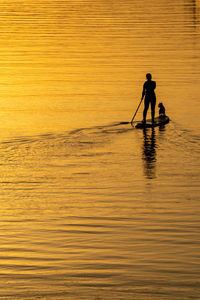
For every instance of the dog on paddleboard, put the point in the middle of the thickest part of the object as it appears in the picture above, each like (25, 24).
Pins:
(161, 110)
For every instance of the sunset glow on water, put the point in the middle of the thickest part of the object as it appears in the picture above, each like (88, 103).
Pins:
(92, 208)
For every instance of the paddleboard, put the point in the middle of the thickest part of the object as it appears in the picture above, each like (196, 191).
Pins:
(158, 121)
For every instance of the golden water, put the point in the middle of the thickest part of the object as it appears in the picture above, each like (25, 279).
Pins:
(91, 208)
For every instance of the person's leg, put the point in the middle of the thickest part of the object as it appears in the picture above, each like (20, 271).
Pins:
(153, 105)
(146, 106)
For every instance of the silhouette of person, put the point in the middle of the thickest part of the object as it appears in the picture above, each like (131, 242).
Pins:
(150, 97)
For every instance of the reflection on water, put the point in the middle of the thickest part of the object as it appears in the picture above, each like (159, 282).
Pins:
(150, 144)
(149, 153)
(193, 9)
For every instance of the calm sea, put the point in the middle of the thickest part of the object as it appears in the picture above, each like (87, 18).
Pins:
(91, 208)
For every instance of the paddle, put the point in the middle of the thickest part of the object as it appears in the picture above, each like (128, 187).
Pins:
(136, 112)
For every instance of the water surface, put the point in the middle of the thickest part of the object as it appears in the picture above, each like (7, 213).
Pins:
(92, 208)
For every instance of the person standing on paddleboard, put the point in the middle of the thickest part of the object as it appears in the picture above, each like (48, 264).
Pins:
(150, 97)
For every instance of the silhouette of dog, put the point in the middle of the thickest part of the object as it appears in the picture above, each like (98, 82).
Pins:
(161, 110)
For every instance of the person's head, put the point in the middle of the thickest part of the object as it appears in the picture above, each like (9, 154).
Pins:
(148, 76)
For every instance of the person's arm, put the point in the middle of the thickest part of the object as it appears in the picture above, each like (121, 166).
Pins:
(143, 92)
